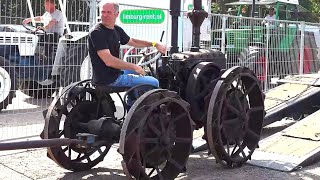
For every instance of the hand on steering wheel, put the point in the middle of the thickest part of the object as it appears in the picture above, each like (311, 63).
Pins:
(140, 70)
(34, 29)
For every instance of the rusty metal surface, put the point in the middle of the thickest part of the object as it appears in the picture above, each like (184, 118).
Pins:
(235, 117)
(201, 83)
(63, 113)
(28, 144)
(151, 144)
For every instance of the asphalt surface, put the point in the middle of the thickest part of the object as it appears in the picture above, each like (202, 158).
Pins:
(24, 121)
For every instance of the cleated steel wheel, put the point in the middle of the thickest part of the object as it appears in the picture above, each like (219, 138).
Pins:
(201, 82)
(156, 137)
(75, 106)
(235, 117)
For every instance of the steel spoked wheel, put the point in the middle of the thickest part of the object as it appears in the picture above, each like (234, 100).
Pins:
(63, 120)
(156, 137)
(201, 82)
(235, 117)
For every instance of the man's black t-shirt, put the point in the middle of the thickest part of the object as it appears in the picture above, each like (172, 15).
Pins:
(100, 37)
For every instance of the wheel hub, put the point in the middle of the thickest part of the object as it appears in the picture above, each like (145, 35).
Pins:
(235, 116)
(164, 140)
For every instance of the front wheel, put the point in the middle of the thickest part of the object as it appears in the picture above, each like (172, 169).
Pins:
(7, 83)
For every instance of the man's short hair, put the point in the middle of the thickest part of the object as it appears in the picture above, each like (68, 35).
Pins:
(271, 8)
(49, 1)
(115, 4)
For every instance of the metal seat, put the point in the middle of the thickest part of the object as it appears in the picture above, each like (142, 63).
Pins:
(110, 89)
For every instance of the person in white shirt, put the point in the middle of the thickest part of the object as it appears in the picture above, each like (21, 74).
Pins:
(271, 15)
(53, 19)
(53, 24)
(269, 19)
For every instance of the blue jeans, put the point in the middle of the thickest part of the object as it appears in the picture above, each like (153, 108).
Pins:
(130, 78)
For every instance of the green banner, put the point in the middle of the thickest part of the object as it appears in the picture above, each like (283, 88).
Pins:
(142, 16)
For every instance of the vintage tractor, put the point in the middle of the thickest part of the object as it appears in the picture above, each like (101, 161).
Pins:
(271, 48)
(156, 135)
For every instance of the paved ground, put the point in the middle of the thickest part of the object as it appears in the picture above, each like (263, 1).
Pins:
(33, 164)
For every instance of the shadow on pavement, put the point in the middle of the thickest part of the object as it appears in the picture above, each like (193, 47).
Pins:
(96, 174)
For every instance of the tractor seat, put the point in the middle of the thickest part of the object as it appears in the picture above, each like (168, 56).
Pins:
(110, 89)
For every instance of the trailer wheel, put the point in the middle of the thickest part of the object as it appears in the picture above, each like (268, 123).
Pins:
(7, 83)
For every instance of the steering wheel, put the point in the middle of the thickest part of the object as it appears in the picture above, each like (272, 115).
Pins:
(143, 56)
(33, 29)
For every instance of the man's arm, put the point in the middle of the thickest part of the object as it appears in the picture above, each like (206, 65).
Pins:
(117, 63)
(141, 43)
(50, 24)
(26, 21)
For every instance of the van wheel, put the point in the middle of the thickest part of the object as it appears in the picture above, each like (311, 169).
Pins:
(7, 83)
(38, 89)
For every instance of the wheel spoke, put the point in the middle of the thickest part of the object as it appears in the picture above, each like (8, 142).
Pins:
(182, 140)
(234, 149)
(61, 133)
(253, 136)
(159, 173)
(229, 122)
(238, 83)
(255, 109)
(150, 173)
(180, 116)
(163, 129)
(232, 109)
(154, 149)
(228, 147)
(154, 129)
(100, 151)
(79, 155)
(249, 90)
(69, 152)
(175, 163)
(149, 140)
(240, 105)
(241, 149)
(87, 157)
(65, 149)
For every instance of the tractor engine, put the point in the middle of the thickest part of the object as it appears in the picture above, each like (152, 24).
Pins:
(173, 73)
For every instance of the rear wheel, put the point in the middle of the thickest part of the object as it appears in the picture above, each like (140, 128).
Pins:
(7, 83)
